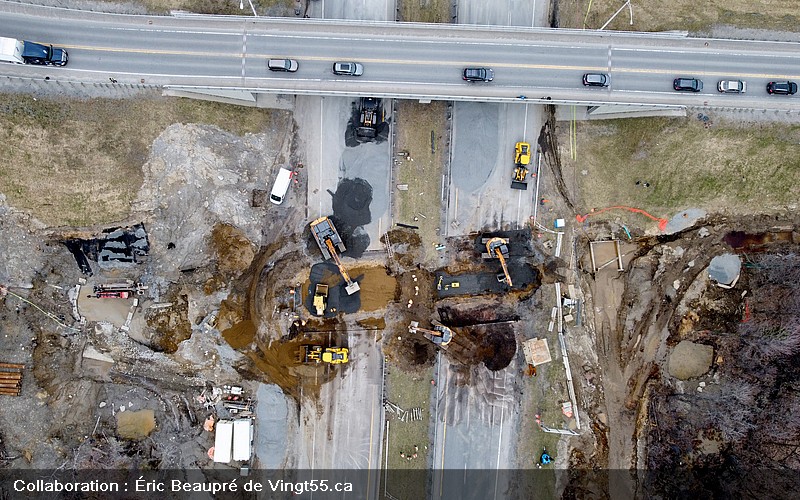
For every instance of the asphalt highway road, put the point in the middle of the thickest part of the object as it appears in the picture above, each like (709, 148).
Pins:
(401, 60)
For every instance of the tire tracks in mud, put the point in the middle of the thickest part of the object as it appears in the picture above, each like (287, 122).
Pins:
(549, 147)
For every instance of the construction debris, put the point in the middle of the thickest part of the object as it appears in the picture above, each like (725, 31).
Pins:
(536, 351)
(412, 415)
(10, 379)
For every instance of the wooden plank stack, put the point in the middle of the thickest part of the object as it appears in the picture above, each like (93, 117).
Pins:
(10, 379)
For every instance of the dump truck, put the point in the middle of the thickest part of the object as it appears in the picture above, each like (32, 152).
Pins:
(320, 298)
(522, 157)
(330, 355)
(329, 242)
(24, 52)
(497, 248)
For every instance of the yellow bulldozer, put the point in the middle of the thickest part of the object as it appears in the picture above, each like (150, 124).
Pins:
(330, 355)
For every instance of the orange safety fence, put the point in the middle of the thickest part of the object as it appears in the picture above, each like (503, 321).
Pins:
(662, 223)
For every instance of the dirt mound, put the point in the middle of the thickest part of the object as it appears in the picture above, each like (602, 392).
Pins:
(280, 363)
(689, 360)
(233, 250)
(406, 245)
(240, 335)
(351, 203)
(377, 287)
(171, 324)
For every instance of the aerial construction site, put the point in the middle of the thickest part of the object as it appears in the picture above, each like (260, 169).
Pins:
(407, 299)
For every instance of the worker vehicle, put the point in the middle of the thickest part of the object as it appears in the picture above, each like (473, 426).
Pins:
(329, 242)
(348, 69)
(24, 52)
(330, 355)
(118, 290)
(522, 157)
(111, 295)
(369, 118)
(288, 65)
(595, 80)
(281, 186)
(320, 298)
(478, 74)
(497, 248)
(732, 86)
(784, 88)
(439, 335)
(687, 84)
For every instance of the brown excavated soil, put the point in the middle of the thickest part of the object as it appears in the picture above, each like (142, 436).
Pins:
(233, 250)
(280, 363)
(377, 287)
(171, 324)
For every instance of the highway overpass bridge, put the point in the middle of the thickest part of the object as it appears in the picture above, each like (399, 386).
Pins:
(226, 57)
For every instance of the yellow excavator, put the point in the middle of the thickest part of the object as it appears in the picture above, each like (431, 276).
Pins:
(329, 241)
(498, 249)
(440, 335)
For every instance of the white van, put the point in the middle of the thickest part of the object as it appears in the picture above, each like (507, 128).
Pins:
(281, 186)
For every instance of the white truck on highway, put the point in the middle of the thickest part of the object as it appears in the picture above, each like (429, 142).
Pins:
(24, 52)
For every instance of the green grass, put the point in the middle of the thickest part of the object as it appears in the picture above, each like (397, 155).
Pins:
(76, 162)
(743, 168)
(409, 390)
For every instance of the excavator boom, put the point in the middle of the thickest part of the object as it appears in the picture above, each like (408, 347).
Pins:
(351, 287)
(497, 247)
(505, 267)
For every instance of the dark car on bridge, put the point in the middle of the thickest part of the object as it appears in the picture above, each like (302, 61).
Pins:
(687, 84)
(784, 88)
(478, 74)
(595, 80)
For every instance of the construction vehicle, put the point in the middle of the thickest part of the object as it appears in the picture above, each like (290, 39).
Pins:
(329, 241)
(498, 249)
(330, 355)
(320, 298)
(440, 335)
(369, 119)
(522, 157)
(111, 295)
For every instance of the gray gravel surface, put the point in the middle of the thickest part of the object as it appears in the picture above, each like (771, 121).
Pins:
(475, 145)
(271, 426)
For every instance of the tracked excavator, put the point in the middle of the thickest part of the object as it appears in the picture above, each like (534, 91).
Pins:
(329, 241)
(440, 335)
(498, 249)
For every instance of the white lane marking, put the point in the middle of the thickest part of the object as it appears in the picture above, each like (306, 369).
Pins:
(319, 160)
(244, 51)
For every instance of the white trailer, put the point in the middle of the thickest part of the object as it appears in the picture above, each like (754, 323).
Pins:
(11, 50)
(242, 439)
(223, 441)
